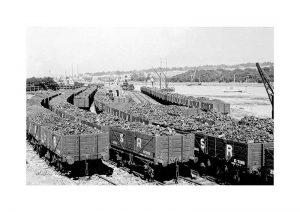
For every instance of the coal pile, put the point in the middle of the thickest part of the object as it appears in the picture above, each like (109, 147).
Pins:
(62, 126)
(104, 119)
(247, 130)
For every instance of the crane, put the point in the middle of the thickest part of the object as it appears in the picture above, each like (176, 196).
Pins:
(268, 87)
(159, 76)
(166, 80)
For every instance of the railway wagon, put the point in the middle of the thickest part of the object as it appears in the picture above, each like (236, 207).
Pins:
(71, 148)
(237, 159)
(174, 98)
(70, 116)
(121, 111)
(220, 106)
(64, 150)
(84, 99)
(269, 164)
(138, 149)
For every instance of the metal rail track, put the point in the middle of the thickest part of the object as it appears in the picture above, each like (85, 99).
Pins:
(45, 164)
(133, 172)
(134, 97)
(207, 180)
(137, 97)
(141, 98)
(145, 98)
(190, 181)
(108, 180)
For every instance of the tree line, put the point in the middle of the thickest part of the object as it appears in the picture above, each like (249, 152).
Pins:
(224, 75)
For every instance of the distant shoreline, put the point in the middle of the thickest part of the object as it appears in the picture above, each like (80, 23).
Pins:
(237, 84)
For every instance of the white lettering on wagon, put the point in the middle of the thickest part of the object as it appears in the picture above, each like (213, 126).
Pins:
(228, 151)
(54, 141)
(146, 152)
(139, 142)
(121, 138)
(202, 145)
(238, 162)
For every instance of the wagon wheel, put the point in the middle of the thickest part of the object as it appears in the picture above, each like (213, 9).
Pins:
(48, 156)
(30, 139)
(53, 160)
(39, 150)
(218, 173)
(208, 166)
(236, 177)
(59, 165)
(202, 168)
(27, 136)
(150, 172)
(33, 144)
(120, 163)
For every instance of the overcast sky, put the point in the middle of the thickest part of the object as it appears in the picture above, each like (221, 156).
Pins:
(110, 49)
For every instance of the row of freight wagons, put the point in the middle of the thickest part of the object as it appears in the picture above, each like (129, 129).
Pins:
(69, 87)
(84, 99)
(33, 88)
(68, 148)
(192, 102)
(162, 150)
(113, 110)
(246, 155)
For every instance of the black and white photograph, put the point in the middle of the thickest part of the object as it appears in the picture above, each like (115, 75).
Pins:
(150, 106)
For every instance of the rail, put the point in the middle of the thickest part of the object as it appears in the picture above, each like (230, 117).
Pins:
(106, 179)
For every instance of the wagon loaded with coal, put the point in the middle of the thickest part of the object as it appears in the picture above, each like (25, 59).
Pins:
(237, 151)
(152, 149)
(85, 98)
(188, 101)
(65, 143)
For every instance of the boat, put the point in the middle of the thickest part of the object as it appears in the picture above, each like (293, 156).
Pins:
(192, 79)
(231, 89)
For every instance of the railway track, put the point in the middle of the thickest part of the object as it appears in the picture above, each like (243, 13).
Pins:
(138, 97)
(199, 180)
(106, 179)
(139, 175)
(121, 175)
(135, 98)
(146, 98)
(41, 172)
(40, 169)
